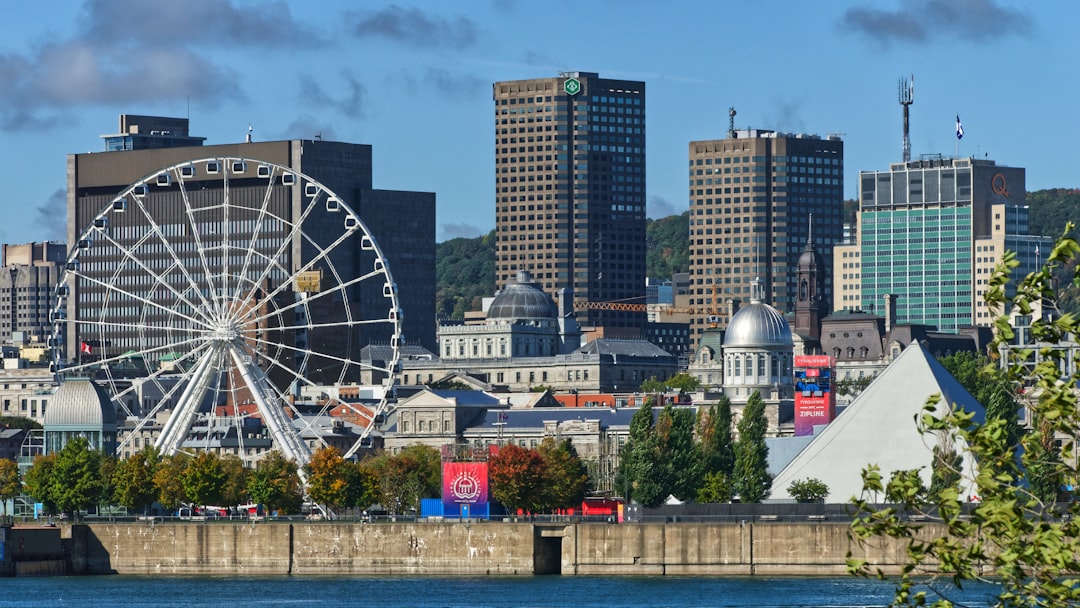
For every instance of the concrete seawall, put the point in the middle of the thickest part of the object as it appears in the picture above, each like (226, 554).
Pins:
(813, 548)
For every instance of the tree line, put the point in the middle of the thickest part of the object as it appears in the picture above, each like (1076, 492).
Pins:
(78, 478)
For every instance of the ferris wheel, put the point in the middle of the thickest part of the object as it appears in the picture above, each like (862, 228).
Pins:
(218, 290)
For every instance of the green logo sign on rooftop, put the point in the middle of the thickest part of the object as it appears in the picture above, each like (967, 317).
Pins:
(572, 86)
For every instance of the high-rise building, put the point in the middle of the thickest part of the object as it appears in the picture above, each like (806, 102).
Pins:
(570, 190)
(931, 231)
(27, 282)
(402, 223)
(752, 197)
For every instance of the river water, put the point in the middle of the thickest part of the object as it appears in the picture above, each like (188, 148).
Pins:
(445, 592)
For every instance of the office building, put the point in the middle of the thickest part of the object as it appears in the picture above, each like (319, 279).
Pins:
(30, 274)
(570, 190)
(402, 223)
(931, 231)
(752, 197)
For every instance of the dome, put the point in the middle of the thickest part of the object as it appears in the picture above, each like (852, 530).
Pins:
(80, 402)
(811, 258)
(522, 299)
(757, 324)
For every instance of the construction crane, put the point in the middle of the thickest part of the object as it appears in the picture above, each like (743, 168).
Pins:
(711, 311)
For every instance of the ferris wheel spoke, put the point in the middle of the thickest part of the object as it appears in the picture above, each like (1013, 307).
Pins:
(159, 280)
(343, 361)
(179, 424)
(115, 358)
(286, 243)
(112, 288)
(340, 287)
(166, 398)
(200, 248)
(256, 233)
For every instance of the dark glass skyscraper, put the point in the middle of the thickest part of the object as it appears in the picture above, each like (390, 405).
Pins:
(570, 190)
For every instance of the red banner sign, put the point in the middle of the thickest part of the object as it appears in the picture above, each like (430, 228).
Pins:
(465, 483)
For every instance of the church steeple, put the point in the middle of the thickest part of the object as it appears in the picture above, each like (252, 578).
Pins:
(810, 304)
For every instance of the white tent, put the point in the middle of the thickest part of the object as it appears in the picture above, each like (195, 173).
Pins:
(879, 427)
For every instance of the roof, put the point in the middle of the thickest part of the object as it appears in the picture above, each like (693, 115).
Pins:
(522, 300)
(758, 324)
(80, 402)
(535, 418)
(879, 427)
(626, 348)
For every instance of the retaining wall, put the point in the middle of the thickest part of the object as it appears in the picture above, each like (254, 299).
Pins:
(812, 548)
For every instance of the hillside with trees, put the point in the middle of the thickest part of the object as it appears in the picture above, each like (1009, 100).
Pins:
(464, 274)
(1049, 211)
(667, 246)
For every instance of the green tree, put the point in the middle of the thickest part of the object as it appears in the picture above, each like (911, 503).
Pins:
(10, 483)
(905, 486)
(518, 478)
(326, 483)
(567, 477)
(680, 455)
(76, 481)
(39, 481)
(714, 434)
(715, 487)
(168, 480)
(275, 484)
(133, 481)
(640, 470)
(18, 422)
(407, 477)
(465, 274)
(204, 479)
(1016, 533)
(751, 480)
(810, 489)
(667, 245)
(234, 490)
(363, 484)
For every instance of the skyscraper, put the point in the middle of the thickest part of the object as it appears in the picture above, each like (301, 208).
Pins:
(752, 196)
(27, 283)
(570, 190)
(931, 231)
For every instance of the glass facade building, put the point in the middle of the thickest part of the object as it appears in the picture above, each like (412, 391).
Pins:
(931, 232)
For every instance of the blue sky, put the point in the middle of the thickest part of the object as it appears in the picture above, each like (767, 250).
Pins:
(413, 79)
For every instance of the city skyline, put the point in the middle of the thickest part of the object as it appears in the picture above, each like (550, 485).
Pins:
(415, 81)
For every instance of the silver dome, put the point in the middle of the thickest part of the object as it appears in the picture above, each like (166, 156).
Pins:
(522, 300)
(758, 324)
(80, 402)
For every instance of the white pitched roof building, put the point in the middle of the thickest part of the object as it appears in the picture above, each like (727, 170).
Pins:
(879, 427)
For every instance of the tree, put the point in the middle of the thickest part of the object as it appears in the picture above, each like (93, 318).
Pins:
(234, 489)
(407, 477)
(18, 422)
(76, 481)
(204, 479)
(681, 464)
(684, 382)
(567, 477)
(362, 483)
(326, 477)
(133, 481)
(168, 480)
(714, 434)
(715, 487)
(1016, 532)
(640, 472)
(518, 477)
(751, 480)
(275, 484)
(39, 481)
(10, 483)
(810, 489)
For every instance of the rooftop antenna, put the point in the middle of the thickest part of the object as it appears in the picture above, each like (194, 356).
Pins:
(907, 97)
(731, 122)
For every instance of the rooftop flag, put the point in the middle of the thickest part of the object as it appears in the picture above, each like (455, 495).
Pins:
(959, 128)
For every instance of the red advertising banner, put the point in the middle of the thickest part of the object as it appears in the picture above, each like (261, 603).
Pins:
(813, 361)
(465, 483)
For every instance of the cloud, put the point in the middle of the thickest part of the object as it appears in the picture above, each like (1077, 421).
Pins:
(51, 216)
(922, 21)
(788, 116)
(413, 27)
(205, 22)
(455, 84)
(459, 230)
(307, 126)
(352, 104)
(658, 207)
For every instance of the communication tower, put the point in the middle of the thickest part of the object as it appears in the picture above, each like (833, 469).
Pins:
(906, 90)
